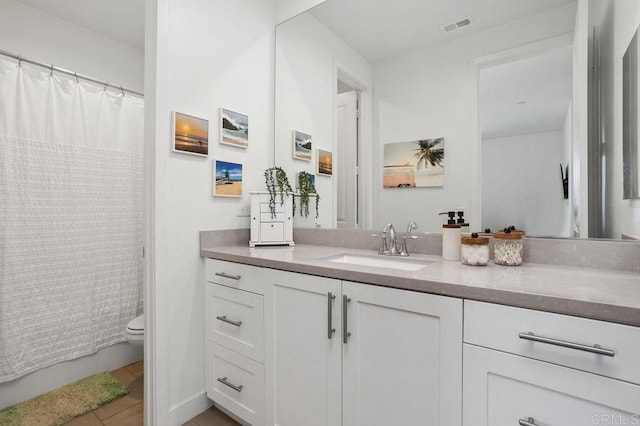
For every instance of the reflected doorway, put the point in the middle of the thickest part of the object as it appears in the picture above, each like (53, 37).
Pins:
(347, 155)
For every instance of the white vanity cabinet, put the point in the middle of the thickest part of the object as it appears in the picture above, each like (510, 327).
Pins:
(344, 353)
(234, 338)
(525, 367)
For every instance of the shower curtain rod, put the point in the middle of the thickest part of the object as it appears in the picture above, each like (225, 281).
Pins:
(71, 73)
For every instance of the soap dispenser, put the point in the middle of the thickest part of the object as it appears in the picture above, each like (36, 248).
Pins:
(464, 226)
(451, 234)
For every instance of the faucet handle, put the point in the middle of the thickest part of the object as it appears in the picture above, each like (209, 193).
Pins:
(383, 245)
(411, 226)
(403, 247)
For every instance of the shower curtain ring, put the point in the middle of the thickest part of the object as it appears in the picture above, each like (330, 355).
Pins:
(106, 85)
(51, 73)
(75, 74)
(122, 90)
(19, 62)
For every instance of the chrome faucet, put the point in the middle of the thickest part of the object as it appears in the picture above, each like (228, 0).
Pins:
(393, 247)
(389, 247)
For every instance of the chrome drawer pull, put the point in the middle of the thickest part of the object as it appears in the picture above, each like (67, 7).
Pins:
(345, 333)
(223, 380)
(529, 422)
(223, 275)
(330, 330)
(228, 321)
(595, 349)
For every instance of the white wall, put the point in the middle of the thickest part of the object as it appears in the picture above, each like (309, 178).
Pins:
(206, 55)
(526, 169)
(36, 35)
(307, 55)
(618, 26)
(427, 94)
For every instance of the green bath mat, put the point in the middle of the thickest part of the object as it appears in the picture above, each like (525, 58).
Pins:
(63, 404)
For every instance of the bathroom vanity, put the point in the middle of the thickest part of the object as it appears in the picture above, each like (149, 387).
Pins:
(302, 336)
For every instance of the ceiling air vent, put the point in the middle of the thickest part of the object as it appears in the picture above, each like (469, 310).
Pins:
(456, 25)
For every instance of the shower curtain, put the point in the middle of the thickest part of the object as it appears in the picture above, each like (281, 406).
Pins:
(71, 217)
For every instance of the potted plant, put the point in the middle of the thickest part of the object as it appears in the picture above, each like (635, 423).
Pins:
(275, 178)
(305, 188)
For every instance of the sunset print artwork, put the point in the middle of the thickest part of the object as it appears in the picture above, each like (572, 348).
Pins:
(191, 134)
(414, 164)
(227, 179)
(325, 162)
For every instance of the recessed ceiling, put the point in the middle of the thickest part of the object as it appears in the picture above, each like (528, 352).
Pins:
(121, 20)
(382, 29)
(530, 95)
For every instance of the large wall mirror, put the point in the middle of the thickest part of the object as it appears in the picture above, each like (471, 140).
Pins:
(486, 106)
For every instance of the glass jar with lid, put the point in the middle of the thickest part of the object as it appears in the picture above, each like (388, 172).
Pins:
(507, 247)
(474, 250)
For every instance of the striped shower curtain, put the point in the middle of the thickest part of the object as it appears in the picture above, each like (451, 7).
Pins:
(71, 217)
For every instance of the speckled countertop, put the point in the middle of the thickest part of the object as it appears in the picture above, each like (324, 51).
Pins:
(591, 293)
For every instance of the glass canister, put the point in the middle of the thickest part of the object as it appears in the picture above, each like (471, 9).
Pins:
(507, 247)
(474, 250)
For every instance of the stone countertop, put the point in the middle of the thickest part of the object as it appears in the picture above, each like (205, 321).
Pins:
(591, 293)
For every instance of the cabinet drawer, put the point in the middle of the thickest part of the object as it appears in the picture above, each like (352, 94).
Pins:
(235, 383)
(234, 319)
(266, 217)
(272, 231)
(560, 339)
(501, 389)
(236, 275)
(264, 206)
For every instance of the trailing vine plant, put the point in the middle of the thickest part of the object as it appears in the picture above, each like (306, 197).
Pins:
(275, 178)
(306, 187)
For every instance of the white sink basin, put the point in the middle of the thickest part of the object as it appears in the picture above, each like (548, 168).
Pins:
(401, 263)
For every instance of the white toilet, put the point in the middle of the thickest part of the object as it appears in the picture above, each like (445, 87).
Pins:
(135, 331)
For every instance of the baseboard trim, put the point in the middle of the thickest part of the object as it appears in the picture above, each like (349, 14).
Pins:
(189, 408)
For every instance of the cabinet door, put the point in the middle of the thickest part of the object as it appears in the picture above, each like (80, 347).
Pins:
(508, 390)
(302, 362)
(402, 363)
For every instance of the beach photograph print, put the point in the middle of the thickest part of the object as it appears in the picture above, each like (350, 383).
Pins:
(227, 179)
(325, 162)
(414, 164)
(191, 134)
(234, 128)
(301, 146)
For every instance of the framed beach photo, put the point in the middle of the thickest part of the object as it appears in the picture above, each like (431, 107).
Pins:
(227, 179)
(190, 134)
(414, 164)
(234, 128)
(301, 146)
(325, 162)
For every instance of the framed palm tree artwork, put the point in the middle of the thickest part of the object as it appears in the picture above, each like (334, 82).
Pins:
(414, 164)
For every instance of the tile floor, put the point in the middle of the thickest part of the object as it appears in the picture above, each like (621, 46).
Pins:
(127, 411)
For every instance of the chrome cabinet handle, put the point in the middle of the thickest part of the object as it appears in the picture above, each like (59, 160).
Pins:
(529, 422)
(223, 380)
(595, 349)
(228, 321)
(345, 333)
(233, 277)
(330, 330)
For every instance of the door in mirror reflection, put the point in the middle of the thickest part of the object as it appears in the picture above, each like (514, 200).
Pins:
(347, 156)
